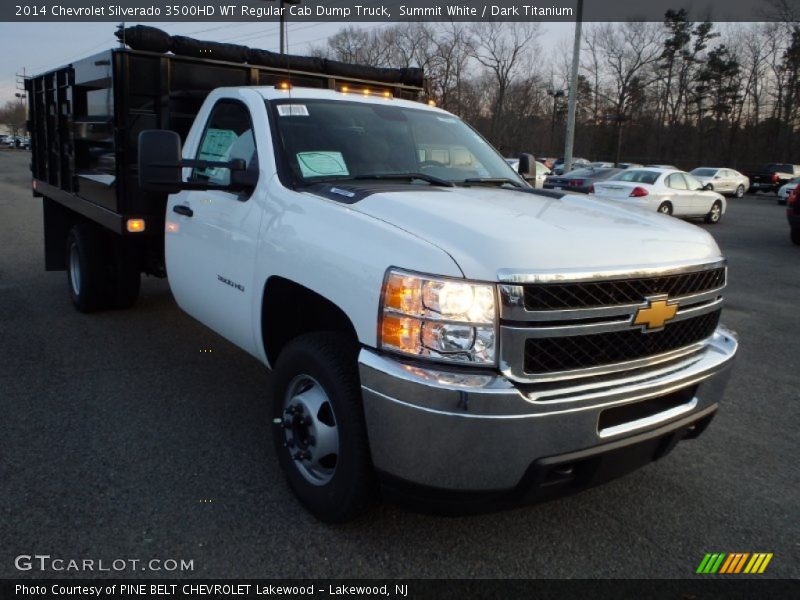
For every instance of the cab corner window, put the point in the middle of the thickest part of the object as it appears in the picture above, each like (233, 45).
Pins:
(228, 136)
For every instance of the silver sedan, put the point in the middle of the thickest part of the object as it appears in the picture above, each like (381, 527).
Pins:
(724, 181)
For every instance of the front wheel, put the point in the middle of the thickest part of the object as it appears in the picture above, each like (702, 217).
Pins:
(665, 208)
(319, 429)
(715, 214)
(795, 234)
(739, 192)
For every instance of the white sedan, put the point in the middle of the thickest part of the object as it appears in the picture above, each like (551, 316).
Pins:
(667, 191)
(724, 181)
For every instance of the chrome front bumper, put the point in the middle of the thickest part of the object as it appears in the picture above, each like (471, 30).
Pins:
(474, 432)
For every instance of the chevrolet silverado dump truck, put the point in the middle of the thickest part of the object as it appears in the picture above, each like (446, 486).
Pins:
(435, 326)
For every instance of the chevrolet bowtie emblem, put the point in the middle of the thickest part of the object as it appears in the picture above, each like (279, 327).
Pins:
(657, 312)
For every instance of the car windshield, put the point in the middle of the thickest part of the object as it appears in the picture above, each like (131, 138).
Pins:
(637, 176)
(325, 140)
(704, 172)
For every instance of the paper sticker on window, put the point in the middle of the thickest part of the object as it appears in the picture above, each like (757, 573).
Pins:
(292, 110)
(321, 164)
(215, 148)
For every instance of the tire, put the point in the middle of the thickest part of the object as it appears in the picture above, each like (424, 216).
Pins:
(665, 208)
(715, 214)
(795, 235)
(316, 407)
(86, 268)
(739, 193)
(124, 281)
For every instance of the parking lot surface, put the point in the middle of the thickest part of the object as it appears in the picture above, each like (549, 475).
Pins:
(141, 434)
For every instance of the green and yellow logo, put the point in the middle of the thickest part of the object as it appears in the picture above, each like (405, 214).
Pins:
(736, 562)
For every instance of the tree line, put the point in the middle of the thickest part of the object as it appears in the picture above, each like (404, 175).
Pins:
(680, 92)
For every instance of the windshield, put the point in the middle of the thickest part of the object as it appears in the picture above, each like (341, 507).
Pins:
(704, 172)
(637, 176)
(325, 140)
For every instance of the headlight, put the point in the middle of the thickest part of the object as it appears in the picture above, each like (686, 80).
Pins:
(445, 319)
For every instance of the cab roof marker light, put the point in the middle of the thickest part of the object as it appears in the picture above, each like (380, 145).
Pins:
(284, 86)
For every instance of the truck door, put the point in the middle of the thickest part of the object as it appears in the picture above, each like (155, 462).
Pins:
(211, 236)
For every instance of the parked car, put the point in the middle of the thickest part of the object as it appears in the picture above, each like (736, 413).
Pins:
(793, 214)
(673, 167)
(724, 181)
(772, 177)
(602, 165)
(786, 189)
(668, 191)
(580, 180)
(538, 179)
(577, 163)
(628, 165)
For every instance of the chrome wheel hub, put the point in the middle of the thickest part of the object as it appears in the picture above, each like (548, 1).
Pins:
(311, 434)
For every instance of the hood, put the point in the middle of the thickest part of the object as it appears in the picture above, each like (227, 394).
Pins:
(487, 229)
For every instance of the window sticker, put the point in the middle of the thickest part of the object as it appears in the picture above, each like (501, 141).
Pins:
(321, 164)
(216, 146)
(293, 110)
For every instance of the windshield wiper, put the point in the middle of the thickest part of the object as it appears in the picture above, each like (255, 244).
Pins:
(492, 181)
(410, 176)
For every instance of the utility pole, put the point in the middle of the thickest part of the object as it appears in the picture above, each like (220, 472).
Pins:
(573, 89)
(282, 21)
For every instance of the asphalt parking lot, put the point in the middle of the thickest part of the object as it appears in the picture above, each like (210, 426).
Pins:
(141, 434)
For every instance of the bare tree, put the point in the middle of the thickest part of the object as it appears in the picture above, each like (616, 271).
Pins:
(502, 49)
(13, 116)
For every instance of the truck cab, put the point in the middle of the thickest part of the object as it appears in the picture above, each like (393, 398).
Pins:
(503, 341)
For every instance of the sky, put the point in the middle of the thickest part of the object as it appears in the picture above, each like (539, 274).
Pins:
(38, 47)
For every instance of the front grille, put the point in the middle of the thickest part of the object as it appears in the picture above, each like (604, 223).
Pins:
(561, 296)
(545, 355)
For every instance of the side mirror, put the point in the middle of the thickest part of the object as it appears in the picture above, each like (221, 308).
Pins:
(525, 165)
(161, 166)
(160, 161)
(707, 187)
(245, 178)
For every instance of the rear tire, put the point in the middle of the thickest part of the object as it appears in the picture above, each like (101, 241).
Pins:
(86, 268)
(739, 192)
(795, 235)
(715, 214)
(665, 208)
(319, 429)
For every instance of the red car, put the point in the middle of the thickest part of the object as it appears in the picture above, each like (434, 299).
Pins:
(793, 214)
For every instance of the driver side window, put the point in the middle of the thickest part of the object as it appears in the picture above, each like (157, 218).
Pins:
(228, 136)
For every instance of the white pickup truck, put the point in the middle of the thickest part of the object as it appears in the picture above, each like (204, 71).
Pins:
(435, 326)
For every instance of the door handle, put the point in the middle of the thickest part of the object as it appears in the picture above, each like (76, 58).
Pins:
(182, 209)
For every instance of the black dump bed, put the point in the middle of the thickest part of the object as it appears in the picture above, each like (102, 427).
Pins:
(85, 118)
